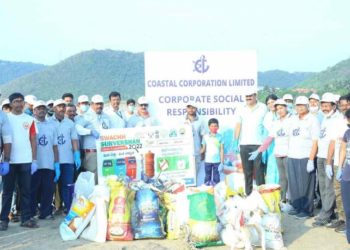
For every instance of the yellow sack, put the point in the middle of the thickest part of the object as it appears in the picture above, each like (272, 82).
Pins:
(271, 194)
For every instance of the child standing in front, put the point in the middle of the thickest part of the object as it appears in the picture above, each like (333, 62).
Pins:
(213, 148)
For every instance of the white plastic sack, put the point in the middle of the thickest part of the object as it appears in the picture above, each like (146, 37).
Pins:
(77, 219)
(97, 230)
(84, 186)
(273, 231)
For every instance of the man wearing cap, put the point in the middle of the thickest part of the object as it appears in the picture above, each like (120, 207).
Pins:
(83, 104)
(69, 154)
(114, 111)
(29, 100)
(49, 105)
(249, 132)
(22, 163)
(95, 120)
(198, 130)
(303, 133)
(5, 106)
(288, 98)
(142, 118)
(314, 106)
(43, 180)
(324, 170)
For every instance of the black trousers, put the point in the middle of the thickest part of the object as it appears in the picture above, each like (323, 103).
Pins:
(21, 174)
(251, 167)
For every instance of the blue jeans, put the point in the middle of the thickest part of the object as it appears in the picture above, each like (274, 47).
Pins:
(21, 174)
(345, 190)
(212, 172)
(66, 178)
(43, 187)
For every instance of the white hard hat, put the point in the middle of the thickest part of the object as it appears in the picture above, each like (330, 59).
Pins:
(280, 102)
(191, 104)
(5, 102)
(336, 98)
(302, 100)
(39, 103)
(287, 97)
(31, 99)
(59, 102)
(328, 97)
(314, 96)
(83, 98)
(97, 99)
(251, 92)
(142, 100)
(49, 102)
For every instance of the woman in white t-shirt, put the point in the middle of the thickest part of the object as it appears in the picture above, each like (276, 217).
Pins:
(279, 135)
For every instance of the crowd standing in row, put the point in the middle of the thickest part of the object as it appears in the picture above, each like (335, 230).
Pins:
(304, 145)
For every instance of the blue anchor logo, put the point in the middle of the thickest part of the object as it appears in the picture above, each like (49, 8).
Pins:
(42, 141)
(281, 133)
(200, 65)
(296, 132)
(323, 133)
(60, 139)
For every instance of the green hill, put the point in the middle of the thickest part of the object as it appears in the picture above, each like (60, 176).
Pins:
(333, 79)
(87, 73)
(282, 79)
(13, 70)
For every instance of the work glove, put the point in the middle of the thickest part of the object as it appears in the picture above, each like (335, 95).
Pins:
(57, 171)
(95, 134)
(253, 155)
(329, 171)
(34, 167)
(77, 159)
(4, 168)
(235, 146)
(310, 166)
(339, 173)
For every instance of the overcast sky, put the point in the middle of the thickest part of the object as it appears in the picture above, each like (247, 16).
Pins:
(295, 35)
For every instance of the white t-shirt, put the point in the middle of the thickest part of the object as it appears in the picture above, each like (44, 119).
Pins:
(279, 131)
(328, 129)
(116, 117)
(22, 126)
(302, 133)
(251, 120)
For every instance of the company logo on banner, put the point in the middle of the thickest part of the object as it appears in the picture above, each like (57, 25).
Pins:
(215, 82)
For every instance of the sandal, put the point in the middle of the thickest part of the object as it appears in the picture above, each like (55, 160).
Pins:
(30, 224)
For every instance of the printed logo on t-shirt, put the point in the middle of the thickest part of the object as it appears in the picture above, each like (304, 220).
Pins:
(281, 132)
(323, 133)
(42, 140)
(104, 125)
(296, 132)
(26, 125)
(60, 139)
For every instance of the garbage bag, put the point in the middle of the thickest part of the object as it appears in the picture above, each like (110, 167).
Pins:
(148, 223)
(77, 219)
(202, 217)
(119, 212)
(97, 230)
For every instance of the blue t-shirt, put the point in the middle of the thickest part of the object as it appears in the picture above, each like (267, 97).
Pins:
(213, 145)
(346, 170)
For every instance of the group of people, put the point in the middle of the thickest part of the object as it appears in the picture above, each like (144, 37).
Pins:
(306, 142)
(46, 144)
(303, 144)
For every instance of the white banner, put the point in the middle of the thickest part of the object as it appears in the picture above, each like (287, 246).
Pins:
(215, 82)
(149, 151)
